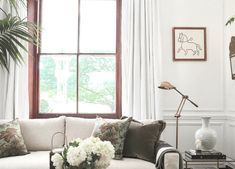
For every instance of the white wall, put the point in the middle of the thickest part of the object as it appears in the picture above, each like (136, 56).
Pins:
(206, 82)
(229, 10)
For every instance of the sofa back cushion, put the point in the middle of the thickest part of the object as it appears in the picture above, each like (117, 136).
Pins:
(2, 121)
(78, 128)
(37, 133)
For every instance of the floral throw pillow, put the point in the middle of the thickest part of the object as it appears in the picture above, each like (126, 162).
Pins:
(11, 140)
(115, 132)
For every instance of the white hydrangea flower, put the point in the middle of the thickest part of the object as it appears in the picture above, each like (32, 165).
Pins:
(89, 144)
(57, 160)
(105, 148)
(103, 162)
(75, 156)
(85, 151)
(78, 140)
(106, 151)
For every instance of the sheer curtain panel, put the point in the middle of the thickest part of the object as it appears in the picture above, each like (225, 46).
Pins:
(14, 84)
(141, 59)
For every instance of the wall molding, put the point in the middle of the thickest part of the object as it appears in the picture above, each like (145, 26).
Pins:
(182, 123)
(231, 120)
(218, 119)
(231, 125)
(194, 110)
(230, 117)
(197, 116)
(231, 110)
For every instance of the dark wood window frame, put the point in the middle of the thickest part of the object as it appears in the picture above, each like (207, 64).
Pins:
(33, 16)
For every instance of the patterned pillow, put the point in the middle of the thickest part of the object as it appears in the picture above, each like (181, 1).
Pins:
(11, 140)
(115, 132)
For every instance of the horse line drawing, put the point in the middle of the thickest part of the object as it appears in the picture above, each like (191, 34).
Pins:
(187, 44)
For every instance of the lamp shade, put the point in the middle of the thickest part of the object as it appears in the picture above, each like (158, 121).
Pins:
(232, 56)
(166, 86)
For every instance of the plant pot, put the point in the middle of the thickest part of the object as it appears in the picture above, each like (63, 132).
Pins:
(205, 137)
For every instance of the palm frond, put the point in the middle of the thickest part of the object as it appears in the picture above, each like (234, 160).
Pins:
(1, 10)
(13, 30)
(15, 4)
(230, 21)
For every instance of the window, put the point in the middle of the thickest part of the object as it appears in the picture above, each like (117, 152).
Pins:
(77, 67)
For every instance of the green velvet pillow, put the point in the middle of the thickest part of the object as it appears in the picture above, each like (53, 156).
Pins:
(115, 132)
(141, 140)
(11, 140)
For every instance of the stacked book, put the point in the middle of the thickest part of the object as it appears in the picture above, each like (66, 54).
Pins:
(195, 154)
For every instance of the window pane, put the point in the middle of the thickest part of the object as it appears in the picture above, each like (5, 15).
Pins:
(96, 84)
(98, 26)
(59, 22)
(58, 76)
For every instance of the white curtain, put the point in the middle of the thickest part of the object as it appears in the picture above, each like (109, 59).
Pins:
(14, 100)
(141, 71)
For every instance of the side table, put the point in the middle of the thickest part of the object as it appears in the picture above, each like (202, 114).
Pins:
(208, 163)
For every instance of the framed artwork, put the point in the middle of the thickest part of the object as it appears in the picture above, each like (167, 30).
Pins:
(189, 43)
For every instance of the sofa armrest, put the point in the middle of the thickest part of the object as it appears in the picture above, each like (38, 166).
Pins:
(167, 157)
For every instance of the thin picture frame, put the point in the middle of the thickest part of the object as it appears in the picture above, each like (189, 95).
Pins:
(189, 43)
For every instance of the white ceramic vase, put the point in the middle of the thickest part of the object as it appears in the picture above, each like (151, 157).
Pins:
(205, 137)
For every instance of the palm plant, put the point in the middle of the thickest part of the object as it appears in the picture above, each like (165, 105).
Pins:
(14, 32)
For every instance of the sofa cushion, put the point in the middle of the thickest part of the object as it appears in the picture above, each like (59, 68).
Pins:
(34, 160)
(37, 133)
(131, 163)
(78, 128)
(115, 132)
(11, 140)
(141, 139)
(40, 160)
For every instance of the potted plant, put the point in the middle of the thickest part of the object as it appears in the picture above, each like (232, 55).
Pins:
(14, 32)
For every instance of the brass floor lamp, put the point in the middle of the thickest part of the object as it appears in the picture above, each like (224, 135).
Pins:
(168, 86)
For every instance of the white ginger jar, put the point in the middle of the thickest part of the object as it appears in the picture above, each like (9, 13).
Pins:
(205, 137)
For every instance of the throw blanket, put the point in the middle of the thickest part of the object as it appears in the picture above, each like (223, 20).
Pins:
(162, 149)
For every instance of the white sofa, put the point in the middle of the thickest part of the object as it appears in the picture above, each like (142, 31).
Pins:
(37, 134)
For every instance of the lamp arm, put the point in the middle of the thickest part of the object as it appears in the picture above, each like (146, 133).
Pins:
(177, 116)
(186, 97)
(180, 108)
